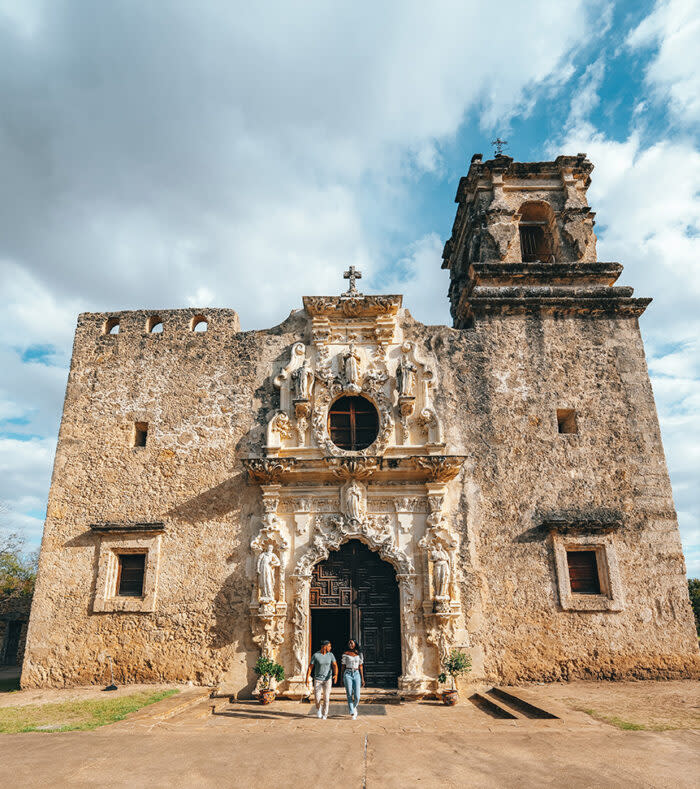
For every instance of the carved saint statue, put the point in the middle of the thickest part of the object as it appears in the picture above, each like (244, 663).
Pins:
(406, 377)
(354, 505)
(441, 572)
(266, 575)
(303, 378)
(352, 365)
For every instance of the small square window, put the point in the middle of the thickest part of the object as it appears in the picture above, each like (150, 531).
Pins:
(140, 434)
(583, 572)
(566, 420)
(132, 568)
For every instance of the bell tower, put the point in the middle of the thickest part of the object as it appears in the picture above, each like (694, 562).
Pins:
(523, 241)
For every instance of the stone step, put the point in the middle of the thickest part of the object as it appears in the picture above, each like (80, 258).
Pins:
(491, 707)
(526, 708)
(162, 710)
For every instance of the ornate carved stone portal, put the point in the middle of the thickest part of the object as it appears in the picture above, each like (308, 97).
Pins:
(393, 495)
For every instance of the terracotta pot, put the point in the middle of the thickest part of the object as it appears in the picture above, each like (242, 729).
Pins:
(450, 697)
(266, 696)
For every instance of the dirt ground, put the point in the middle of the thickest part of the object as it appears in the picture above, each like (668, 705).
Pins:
(654, 705)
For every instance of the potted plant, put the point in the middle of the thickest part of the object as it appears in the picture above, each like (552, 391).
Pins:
(456, 665)
(268, 670)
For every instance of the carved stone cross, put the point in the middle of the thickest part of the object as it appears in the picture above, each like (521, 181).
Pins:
(352, 274)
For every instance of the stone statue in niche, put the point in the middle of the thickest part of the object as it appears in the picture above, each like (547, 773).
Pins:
(351, 362)
(266, 575)
(302, 379)
(406, 377)
(441, 572)
(354, 501)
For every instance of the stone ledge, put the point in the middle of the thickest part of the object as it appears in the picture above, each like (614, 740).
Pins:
(128, 526)
(573, 273)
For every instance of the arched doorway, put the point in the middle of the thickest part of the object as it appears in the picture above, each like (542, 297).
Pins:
(354, 594)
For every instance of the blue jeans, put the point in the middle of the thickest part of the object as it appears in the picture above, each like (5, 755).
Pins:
(353, 682)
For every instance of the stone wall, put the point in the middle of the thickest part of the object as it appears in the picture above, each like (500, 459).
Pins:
(207, 399)
(502, 383)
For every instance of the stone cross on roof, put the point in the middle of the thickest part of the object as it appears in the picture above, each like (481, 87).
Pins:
(500, 145)
(352, 274)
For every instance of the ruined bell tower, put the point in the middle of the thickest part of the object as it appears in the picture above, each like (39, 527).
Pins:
(523, 241)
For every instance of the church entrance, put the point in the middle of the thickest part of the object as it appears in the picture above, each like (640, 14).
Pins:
(354, 594)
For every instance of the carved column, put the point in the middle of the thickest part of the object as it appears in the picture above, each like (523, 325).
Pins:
(297, 687)
(412, 678)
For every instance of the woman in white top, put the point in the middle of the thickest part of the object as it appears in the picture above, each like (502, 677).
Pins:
(353, 675)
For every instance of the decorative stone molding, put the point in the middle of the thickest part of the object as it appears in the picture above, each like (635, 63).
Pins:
(332, 531)
(112, 545)
(611, 597)
(439, 468)
(351, 306)
(268, 470)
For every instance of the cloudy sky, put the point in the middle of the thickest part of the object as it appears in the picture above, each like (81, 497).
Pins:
(168, 154)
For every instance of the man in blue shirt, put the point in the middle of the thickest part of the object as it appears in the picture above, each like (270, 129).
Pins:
(325, 668)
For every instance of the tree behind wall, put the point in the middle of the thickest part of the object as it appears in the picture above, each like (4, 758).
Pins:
(694, 589)
(17, 569)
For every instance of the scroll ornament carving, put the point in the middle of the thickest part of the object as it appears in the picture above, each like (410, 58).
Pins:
(351, 307)
(268, 470)
(352, 467)
(440, 468)
(441, 633)
(278, 428)
(268, 634)
(332, 531)
(296, 358)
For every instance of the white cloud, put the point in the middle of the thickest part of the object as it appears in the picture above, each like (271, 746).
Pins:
(647, 200)
(674, 73)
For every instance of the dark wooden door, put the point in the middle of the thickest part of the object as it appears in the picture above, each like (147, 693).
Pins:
(355, 579)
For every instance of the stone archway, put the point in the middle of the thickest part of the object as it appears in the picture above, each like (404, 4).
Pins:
(329, 536)
(355, 594)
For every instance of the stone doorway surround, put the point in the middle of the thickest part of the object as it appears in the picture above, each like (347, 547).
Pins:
(394, 495)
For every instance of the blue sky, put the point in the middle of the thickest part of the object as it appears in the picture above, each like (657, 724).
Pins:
(216, 154)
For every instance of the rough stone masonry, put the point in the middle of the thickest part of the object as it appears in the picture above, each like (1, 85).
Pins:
(509, 471)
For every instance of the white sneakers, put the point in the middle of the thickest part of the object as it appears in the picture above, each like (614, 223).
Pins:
(319, 714)
(354, 714)
(325, 716)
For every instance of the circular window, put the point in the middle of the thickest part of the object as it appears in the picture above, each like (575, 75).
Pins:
(353, 423)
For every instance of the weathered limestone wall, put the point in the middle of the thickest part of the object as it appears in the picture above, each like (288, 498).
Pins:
(500, 386)
(206, 398)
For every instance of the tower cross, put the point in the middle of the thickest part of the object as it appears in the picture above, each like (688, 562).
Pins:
(352, 274)
(500, 144)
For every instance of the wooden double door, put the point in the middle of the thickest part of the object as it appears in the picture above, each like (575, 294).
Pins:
(354, 594)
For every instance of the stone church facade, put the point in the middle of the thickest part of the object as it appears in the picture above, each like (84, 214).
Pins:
(498, 487)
